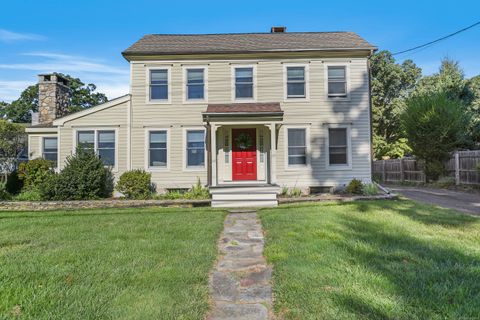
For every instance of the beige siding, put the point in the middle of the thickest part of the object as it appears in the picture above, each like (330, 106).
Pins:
(113, 118)
(316, 114)
(35, 144)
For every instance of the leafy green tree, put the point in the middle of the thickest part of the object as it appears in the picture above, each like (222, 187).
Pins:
(435, 125)
(12, 139)
(83, 96)
(392, 83)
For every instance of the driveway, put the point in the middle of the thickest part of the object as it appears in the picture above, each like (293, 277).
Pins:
(461, 201)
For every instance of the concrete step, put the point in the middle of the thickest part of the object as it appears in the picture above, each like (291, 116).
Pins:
(244, 196)
(243, 203)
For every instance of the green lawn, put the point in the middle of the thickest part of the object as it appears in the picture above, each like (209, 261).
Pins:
(373, 260)
(107, 264)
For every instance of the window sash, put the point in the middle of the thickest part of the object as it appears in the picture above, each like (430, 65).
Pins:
(243, 83)
(295, 80)
(195, 80)
(159, 84)
(50, 152)
(158, 148)
(106, 149)
(336, 79)
(86, 139)
(195, 148)
(338, 147)
(297, 152)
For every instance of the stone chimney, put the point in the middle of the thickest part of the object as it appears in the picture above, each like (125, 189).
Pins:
(53, 97)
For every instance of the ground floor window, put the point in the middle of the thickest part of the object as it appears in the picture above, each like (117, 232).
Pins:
(338, 146)
(157, 149)
(297, 147)
(195, 145)
(102, 142)
(50, 149)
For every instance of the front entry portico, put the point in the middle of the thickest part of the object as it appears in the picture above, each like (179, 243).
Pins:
(244, 154)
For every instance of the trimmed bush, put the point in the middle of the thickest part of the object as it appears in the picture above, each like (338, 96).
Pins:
(354, 187)
(135, 184)
(84, 177)
(34, 172)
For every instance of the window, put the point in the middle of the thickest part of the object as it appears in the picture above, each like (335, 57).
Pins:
(157, 150)
(338, 146)
(244, 83)
(50, 149)
(337, 81)
(195, 84)
(102, 142)
(106, 147)
(195, 148)
(159, 84)
(297, 147)
(296, 82)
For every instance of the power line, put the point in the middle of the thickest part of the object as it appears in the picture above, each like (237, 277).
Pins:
(438, 40)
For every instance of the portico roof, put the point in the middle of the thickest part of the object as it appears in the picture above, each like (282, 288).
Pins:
(243, 110)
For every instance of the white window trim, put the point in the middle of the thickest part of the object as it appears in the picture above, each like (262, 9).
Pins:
(205, 84)
(334, 167)
(95, 140)
(147, 147)
(185, 152)
(347, 78)
(43, 145)
(147, 84)
(307, 83)
(232, 83)
(296, 167)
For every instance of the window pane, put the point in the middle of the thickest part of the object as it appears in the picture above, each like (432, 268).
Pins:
(158, 158)
(337, 88)
(50, 144)
(295, 73)
(296, 151)
(338, 158)
(196, 157)
(107, 156)
(296, 89)
(86, 139)
(159, 77)
(337, 137)
(244, 75)
(195, 91)
(50, 156)
(336, 73)
(158, 137)
(106, 139)
(195, 148)
(159, 92)
(194, 76)
(296, 137)
(297, 160)
(244, 91)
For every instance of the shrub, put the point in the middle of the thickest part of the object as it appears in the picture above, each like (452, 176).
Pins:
(34, 172)
(135, 184)
(370, 189)
(29, 195)
(445, 182)
(354, 187)
(295, 192)
(284, 192)
(14, 184)
(198, 191)
(4, 195)
(84, 177)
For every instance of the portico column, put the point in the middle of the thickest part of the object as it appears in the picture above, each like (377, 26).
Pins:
(273, 154)
(213, 152)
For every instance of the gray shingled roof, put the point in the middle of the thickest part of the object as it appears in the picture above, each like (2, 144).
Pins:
(159, 44)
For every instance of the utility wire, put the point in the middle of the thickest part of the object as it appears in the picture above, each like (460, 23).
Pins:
(438, 40)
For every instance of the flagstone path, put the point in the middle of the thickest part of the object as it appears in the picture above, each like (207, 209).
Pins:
(240, 282)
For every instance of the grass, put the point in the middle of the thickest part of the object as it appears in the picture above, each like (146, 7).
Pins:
(373, 260)
(107, 264)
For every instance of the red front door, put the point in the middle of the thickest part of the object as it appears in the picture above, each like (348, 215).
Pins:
(244, 154)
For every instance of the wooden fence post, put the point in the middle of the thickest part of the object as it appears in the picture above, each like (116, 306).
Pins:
(384, 174)
(457, 168)
(402, 174)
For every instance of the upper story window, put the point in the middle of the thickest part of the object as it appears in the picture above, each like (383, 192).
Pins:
(195, 148)
(50, 149)
(159, 84)
(297, 147)
(337, 81)
(157, 149)
(195, 84)
(296, 85)
(244, 83)
(102, 142)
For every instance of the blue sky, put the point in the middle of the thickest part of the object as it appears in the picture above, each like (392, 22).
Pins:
(85, 38)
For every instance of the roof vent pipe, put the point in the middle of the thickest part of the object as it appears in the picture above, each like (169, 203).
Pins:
(278, 29)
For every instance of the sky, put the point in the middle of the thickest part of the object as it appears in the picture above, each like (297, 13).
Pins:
(85, 38)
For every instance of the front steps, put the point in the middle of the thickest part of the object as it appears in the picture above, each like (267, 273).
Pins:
(238, 196)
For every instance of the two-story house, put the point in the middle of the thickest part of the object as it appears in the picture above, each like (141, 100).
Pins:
(246, 114)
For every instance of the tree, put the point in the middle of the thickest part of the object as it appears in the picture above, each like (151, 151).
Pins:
(12, 142)
(83, 97)
(392, 83)
(435, 125)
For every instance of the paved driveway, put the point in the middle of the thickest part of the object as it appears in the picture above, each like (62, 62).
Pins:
(461, 201)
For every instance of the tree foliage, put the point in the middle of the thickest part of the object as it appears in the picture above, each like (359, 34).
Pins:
(392, 83)
(83, 96)
(12, 139)
(435, 125)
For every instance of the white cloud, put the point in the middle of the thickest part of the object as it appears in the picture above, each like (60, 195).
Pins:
(10, 36)
(10, 90)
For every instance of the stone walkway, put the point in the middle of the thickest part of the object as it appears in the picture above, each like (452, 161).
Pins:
(240, 282)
